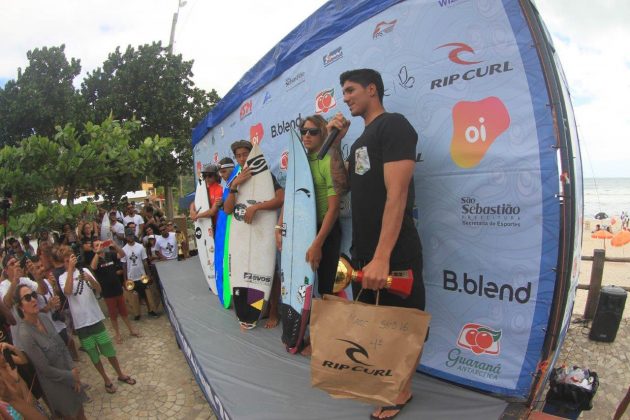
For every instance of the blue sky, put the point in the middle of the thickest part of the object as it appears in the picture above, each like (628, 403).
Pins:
(590, 37)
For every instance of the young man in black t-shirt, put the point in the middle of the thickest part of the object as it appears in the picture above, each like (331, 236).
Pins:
(108, 272)
(380, 176)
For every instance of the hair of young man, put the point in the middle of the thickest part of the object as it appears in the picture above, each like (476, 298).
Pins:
(365, 77)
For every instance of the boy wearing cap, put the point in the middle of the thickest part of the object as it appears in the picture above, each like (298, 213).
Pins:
(134, 267)
(210, 174)
(241, 149)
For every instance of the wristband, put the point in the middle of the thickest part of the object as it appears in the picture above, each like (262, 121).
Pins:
(233, 191)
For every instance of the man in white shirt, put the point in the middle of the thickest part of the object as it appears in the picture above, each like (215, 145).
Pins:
(132, 216)
(166, 244)
(134, 267)
(114, 229)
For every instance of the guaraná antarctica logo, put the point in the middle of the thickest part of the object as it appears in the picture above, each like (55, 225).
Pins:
(474, 212)
(480, 340)
(476, 125)
(284, 160)
(325, 101)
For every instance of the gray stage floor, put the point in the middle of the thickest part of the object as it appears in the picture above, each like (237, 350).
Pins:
(249, 375)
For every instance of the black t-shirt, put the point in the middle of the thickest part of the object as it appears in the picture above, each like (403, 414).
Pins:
(388, 138)
(110, 282)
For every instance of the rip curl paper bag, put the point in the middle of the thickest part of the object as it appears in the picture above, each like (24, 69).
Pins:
(364, 352)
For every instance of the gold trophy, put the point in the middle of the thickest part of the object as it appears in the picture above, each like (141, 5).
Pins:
(146, 280)
(129, 285)
(398, 282)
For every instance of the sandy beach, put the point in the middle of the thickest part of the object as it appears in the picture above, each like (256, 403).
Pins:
(615, 273)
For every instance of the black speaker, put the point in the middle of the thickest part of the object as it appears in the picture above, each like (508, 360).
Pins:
(607, 317)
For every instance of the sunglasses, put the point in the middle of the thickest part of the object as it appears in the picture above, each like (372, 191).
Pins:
(311, 131)
(29, 297)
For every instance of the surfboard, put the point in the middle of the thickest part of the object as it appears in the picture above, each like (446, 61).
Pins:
(299, 231)
(204, 235)
(252, 246)
(223, 282)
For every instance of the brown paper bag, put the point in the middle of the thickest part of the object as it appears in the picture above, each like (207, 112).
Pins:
(364, 352)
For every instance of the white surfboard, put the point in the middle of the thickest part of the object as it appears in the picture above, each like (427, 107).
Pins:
(204, 235)
(300, 229)
(252, 248)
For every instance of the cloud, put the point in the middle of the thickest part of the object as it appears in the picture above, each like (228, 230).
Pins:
(591, 40)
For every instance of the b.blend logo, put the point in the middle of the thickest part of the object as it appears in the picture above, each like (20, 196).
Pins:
(246, 109)
(256, 133)
(285, 126)
(480, 339)
(383, 28)
(359, 355)
(479, 286)
(293, 81)
(325, 101)
(476, 125)
(331, 57)
(462, 54)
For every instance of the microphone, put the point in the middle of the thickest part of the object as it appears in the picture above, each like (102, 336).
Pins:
(327, 143)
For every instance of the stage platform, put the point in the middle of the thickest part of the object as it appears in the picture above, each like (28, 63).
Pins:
(249, 375)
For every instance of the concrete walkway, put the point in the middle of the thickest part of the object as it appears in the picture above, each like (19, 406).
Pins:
(165, 387)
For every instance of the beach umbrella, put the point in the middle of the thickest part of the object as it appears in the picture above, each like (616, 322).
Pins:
(601, 216)
(621, 238)
(601, 234)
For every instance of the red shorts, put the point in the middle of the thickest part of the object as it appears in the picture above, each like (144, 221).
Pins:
(116, 306)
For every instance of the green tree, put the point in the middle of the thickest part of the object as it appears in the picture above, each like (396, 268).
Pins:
(156, 87)
(101, 158)
(41, 97)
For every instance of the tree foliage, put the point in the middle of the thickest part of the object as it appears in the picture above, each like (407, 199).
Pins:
(156, 87)
(41, 97)
(101, 158)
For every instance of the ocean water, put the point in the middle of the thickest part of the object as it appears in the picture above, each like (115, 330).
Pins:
(610, 195)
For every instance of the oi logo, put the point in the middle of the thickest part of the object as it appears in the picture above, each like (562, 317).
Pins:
(476, 125)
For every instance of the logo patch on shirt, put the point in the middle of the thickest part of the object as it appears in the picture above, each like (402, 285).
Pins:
(361, 161)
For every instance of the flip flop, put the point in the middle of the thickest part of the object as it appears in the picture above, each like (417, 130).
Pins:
(111, 389)
(128, 380)
(398, 407)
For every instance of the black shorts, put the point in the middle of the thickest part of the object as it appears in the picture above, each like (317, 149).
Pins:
(415, 300)
(327, 269)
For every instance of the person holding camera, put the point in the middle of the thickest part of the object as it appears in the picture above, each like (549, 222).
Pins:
(106, 266)
(79, 286)
(58, 377)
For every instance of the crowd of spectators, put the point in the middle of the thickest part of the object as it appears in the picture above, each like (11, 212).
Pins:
(50, 288)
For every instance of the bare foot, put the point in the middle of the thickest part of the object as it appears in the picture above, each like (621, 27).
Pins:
(272, 322)
(135, 333)
(307, 351)
(118, 339)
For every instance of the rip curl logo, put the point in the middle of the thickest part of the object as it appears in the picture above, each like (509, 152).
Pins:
(352, 351)
(383, 28)
(458, 48)
(476, 125)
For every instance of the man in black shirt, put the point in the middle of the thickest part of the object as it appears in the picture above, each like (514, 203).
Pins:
(380, 175)
(108, 272)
